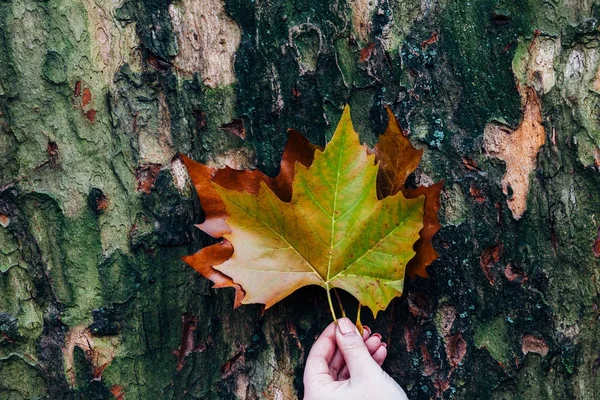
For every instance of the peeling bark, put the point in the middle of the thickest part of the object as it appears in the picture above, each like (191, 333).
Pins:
(97, 97)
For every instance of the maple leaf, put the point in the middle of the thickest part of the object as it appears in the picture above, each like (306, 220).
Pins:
(331, 221)
(397, 159)
(298, 149)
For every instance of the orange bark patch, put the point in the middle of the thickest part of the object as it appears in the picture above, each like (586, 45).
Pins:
(86, 97)
(82, 97)
(410, 335)
(91, 115)
(489, 257)
(102, 203)
(596, 247)
(476, 194)
(366, 52)
(118, 392)
(513, 273)
(518, 149)
(434, 38)
(189, 324)
(429, 366)
(146, 176)
(456, 349)
(470, 164)
(235, 127)
(4, 220)
(597, 157)
(534, 344)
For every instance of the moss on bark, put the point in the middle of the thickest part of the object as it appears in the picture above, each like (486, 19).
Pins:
(95, 213)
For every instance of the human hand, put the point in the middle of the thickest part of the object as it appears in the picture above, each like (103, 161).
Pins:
(342, 365)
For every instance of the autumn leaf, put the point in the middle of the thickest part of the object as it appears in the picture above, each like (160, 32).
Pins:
(298, 149)
(326, 221)
(397, 160)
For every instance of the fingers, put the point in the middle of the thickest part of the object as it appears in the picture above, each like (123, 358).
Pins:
(320, 356)
(337, 363)
(353, 348)
(378, 351)
(380, 354)
(373, 342)
(366, 332)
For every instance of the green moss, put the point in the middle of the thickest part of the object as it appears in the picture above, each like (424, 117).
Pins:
(455, 210)
(19, 380)
(9, 255)
(520, 61)
(481, 52)
(45, 221)
(308, 45)
(404, 14)
(360, 105)
(346, 54)
(55, 69)
(493, 336)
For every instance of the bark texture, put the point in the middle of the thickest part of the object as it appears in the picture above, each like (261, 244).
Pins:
(97, 97)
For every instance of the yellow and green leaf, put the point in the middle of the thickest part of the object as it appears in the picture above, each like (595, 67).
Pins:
(332, 231)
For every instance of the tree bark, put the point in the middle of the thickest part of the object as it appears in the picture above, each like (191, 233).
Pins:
(98, 97)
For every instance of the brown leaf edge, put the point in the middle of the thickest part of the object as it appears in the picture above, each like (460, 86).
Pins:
(397, 159)
(297, 149)
(425, 253)
(396, 156)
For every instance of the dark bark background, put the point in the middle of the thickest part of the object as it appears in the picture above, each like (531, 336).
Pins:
(97, 97)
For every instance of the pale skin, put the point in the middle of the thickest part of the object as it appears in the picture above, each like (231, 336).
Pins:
(345, 365)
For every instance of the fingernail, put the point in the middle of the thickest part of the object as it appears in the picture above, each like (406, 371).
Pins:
(378, 335)
(367, 329)
(346, 327)
(384, 344)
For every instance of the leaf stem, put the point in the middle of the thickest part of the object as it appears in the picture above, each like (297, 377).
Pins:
(359, 324)
(337, 295)
(330, 302)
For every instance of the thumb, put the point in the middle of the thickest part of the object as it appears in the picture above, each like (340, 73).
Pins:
(353, 348)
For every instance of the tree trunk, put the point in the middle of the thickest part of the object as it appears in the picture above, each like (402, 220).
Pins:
(98, 97)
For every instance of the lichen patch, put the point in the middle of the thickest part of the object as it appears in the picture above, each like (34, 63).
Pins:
(112, 44)
(533, 64)
(180, 176)
(156, 147)
(518, 149)
(541, 65)
(207, 38)
(305, 39)
(362, 10)
(241, 158)
(98, 351)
